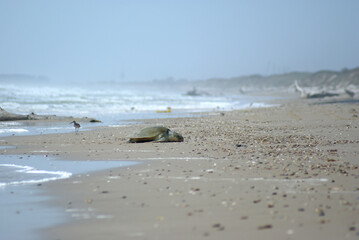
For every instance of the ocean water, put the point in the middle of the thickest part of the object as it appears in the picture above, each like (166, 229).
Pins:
(113, 104)
(23, 211)
(16, 170)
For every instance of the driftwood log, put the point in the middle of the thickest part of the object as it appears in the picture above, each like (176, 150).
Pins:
(6, 116)
(349, 92)
(305, 94)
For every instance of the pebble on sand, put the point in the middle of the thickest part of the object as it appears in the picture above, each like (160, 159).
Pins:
(267, 226)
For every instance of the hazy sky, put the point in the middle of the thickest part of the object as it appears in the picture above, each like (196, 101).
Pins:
(137, 40)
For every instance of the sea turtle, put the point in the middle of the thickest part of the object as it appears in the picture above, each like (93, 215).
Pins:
(156, 134)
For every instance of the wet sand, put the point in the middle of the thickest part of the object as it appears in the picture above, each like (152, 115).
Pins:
(286, 172)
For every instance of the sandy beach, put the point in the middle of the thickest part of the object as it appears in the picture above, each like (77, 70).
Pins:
(284, 172)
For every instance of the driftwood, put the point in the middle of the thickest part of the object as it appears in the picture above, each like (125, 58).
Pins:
(305, 94)
(6, 116)
(349, 92)
(195, 93)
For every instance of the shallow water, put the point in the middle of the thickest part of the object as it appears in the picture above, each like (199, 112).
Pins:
(112, 104)
(21, 198)
(98, 100)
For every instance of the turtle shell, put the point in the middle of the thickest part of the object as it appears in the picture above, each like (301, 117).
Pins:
(149, 134)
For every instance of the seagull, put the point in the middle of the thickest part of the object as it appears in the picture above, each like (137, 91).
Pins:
(76, 125)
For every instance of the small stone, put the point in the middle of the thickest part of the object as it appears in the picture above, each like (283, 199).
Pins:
(290, 232)
(267, 226)
(241, 145)
(217, 225)
(160, 218)
(331, 160)
(320, 212)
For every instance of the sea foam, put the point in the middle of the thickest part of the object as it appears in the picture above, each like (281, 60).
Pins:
(13, 174)
(13, 130)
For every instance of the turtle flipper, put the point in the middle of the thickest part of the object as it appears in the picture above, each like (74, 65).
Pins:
(162, 138)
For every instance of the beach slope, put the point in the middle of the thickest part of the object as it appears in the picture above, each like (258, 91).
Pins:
(285, 172)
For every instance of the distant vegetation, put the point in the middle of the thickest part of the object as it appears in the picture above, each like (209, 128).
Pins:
(325, 80)
(22, 78)
(321, 79)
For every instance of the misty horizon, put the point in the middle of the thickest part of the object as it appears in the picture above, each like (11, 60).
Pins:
(141, 41)
(8, 77)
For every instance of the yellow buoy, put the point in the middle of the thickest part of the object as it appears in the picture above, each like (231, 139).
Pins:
(164, 111)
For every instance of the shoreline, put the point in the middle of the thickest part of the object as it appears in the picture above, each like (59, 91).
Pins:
(285, 172)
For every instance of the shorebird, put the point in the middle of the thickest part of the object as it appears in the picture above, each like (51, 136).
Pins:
(76, 125)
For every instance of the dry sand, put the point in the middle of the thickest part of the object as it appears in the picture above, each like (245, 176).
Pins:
(286, 172)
